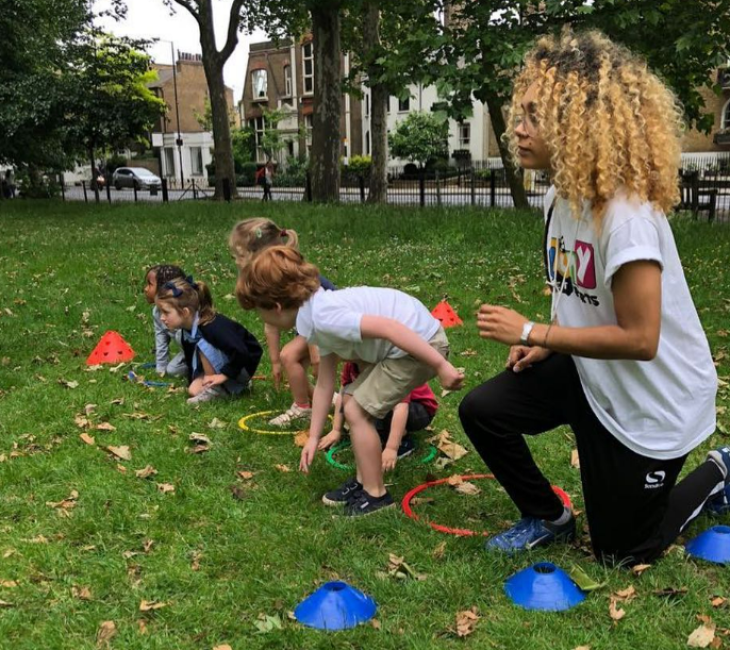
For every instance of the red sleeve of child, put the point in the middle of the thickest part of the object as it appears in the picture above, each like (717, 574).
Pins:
(425, 396)
(349, 373)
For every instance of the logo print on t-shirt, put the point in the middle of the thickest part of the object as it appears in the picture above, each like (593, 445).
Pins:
(655, 480)
(585, 267)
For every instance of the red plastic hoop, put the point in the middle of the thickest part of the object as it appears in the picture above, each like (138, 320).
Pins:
(462, 532)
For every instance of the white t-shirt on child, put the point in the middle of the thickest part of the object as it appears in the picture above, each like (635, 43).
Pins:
(661, 408)
(331, 320)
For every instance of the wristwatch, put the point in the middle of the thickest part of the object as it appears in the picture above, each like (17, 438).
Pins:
(526, 329)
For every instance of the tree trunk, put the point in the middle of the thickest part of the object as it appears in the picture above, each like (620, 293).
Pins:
(514, 177)
(325, 157)
(222, 145)
(378, 186)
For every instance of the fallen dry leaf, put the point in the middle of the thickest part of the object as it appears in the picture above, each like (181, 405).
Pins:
(105, 426)
(104, 634)
(627, 594)
(5, 603)
(283, 468)
(246, 476)
(447, 446)
(196, 557)
(82, 593)
(398, 568)
(68, 384)
(582, 647)
(225, 646)
(8, 584)
(718, 601)
(82, 422)
(454, 480)
(68, 503)
(467, 488)
(375, 623)
(201, 443)
(237, 492)
(215, 423)
(122, 452)
(145, 472)
(87, 439)
(638, 569)
(439, 551)
(166, 488)
(574, 459)
(614, 611)
(142, 626)
(300, 439)
(466, 621)
(150, 605)
(702, 636)
(671, 592)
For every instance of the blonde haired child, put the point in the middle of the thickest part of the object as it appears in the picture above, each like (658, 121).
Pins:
(222, 355)
(624, 360)
(394, 339)
(247, 239)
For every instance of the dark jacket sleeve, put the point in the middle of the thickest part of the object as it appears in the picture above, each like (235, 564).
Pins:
(188, 351)
(236, 342)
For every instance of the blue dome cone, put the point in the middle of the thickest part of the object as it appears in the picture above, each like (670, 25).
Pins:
(335, 606)
(713, 545)
(543, 586)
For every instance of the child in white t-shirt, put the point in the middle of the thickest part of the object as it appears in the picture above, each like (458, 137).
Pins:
(391, 335)
(624, 360)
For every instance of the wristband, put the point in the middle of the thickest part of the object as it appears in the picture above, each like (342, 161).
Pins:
(526, 330)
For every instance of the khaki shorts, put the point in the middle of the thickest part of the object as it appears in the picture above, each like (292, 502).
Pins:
(381, 386)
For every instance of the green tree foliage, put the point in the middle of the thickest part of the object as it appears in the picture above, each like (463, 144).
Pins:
(420, 137)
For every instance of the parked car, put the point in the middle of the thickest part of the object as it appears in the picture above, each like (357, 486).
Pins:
(137, 177)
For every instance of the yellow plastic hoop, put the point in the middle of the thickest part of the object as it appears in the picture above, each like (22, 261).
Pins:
(243, 424)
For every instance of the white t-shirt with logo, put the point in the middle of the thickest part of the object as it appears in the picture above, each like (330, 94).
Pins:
(661, 408)
(331, 320)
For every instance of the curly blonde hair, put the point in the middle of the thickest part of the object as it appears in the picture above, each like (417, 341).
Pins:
(606, 119)
(277, 276)
(251, 236)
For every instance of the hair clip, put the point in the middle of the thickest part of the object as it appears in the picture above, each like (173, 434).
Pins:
(176, 293)
(191, 282)
(259, 233)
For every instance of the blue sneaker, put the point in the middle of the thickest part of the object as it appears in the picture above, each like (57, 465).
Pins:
(529, 533)
(720, 503)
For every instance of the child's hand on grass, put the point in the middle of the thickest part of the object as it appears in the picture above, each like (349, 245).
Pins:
(310, 449)
(450, 377)
(332, 438)
(389, 459)
(214, 380)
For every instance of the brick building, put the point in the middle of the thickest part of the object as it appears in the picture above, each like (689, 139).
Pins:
(282, 77)
(195, 151)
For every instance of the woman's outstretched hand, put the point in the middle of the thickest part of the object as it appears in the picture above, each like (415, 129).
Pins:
(500, 324)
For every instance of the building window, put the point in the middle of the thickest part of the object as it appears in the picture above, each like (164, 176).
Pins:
(404, 105)
(196, 161)
(308, 62)
(287, 80)
(169, 162)
(367, 143)
(367, 105)
(290, 148)
(258, 77)
(257, 125)
(464, 135)
(725, 122)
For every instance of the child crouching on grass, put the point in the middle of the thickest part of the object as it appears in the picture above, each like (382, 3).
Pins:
(391, 335)
(414, 413)
(221, 354)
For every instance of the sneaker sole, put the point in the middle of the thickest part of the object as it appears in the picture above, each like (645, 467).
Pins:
(406, 454)
(332, 504)
(372, 512)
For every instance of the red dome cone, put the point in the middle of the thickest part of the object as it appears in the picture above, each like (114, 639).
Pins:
(112, 348)
(445, 313)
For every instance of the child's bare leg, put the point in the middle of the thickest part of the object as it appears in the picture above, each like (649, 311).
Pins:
(295, 358)
(366, 445)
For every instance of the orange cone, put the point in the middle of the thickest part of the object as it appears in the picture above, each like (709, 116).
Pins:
(445, 313)
(112, 348)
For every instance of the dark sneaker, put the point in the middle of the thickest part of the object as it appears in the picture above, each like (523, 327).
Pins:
(407, 446)
(531, 532)
(364, 504)
(347, 491)
(719, 504)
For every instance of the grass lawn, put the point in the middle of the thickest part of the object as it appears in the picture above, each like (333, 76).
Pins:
(221, 551)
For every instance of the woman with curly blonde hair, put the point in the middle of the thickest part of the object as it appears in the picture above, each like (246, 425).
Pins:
(623, 360)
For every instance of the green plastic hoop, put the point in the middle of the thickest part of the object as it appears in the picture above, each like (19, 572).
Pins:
(344, 444)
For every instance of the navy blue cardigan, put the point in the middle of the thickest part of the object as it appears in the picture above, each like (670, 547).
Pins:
(234, 340)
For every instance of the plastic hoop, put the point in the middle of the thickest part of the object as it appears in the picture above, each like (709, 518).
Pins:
(462, 532)
(345, 444)
(243, 424)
